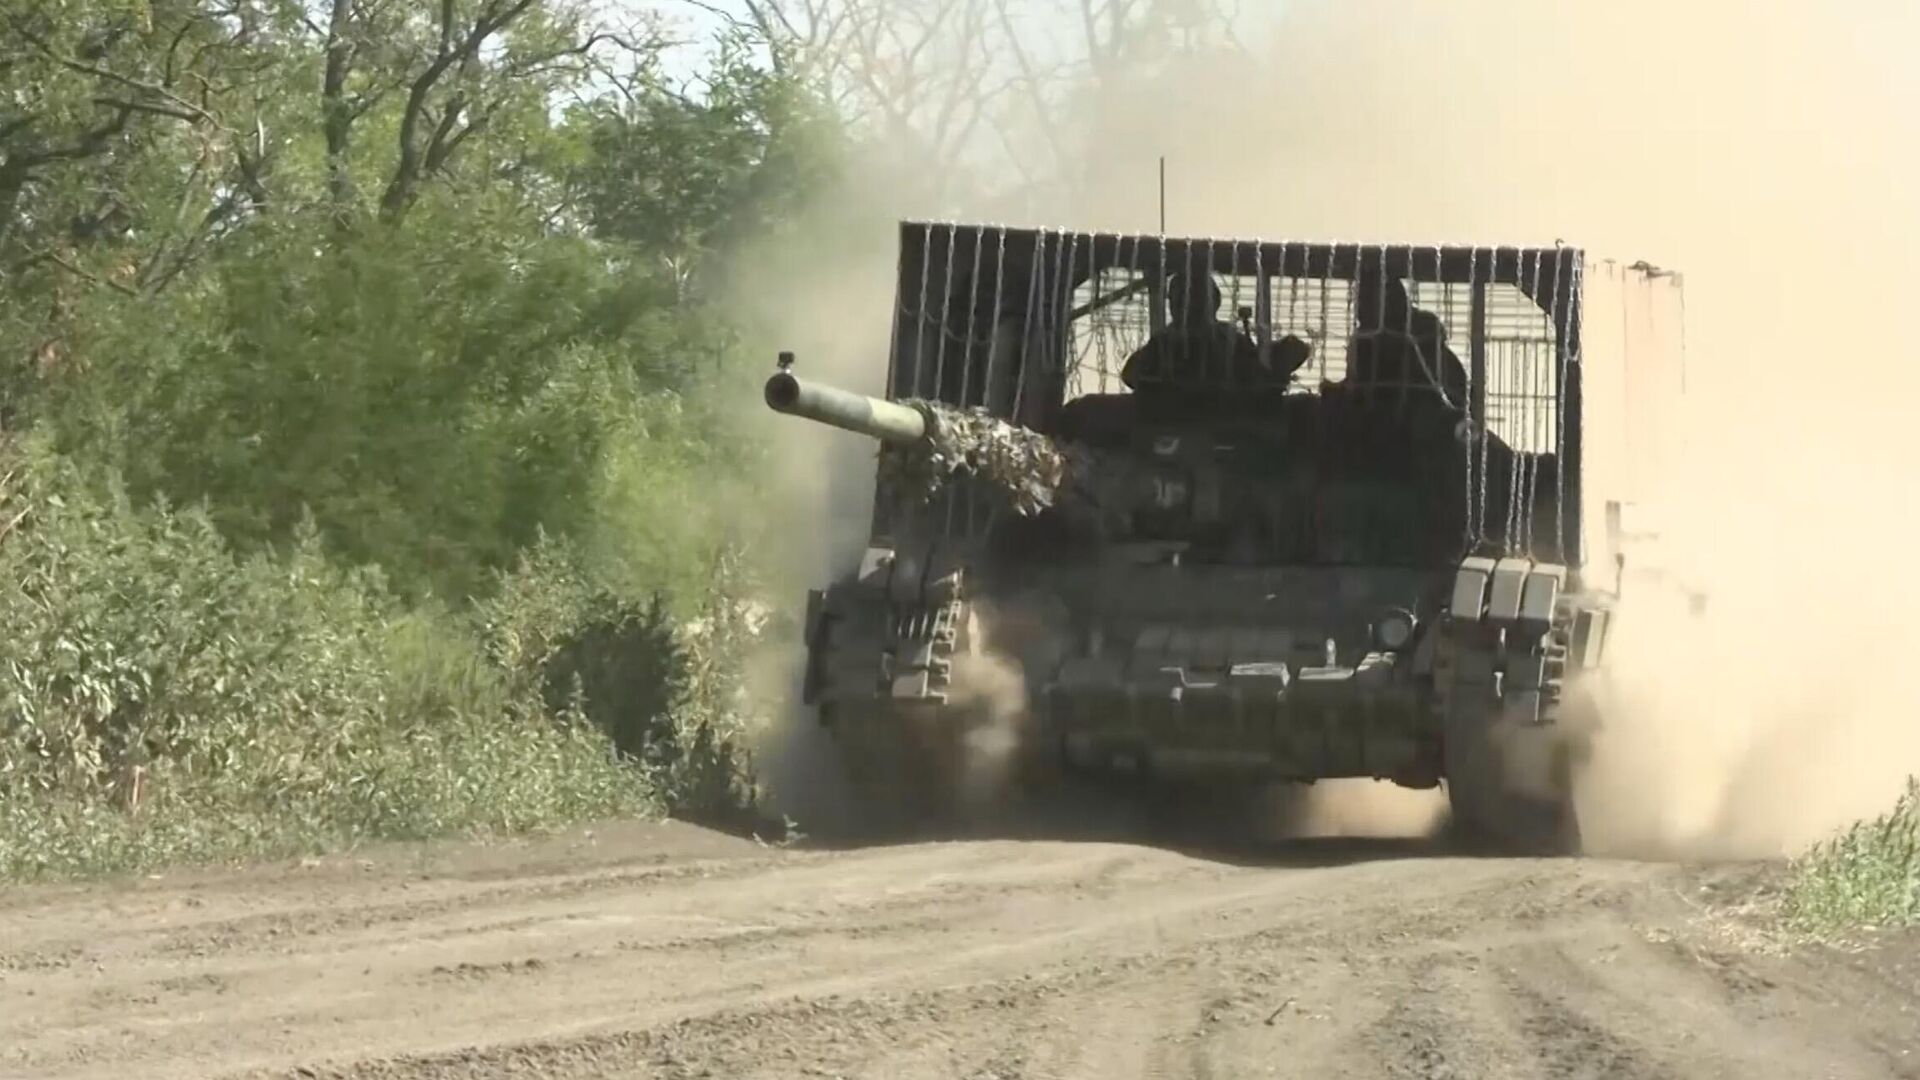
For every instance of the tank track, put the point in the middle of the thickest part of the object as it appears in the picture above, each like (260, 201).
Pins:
(1509, 756)
(883, 677)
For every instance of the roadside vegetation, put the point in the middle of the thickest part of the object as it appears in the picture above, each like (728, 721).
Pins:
(362, 473)
(1866, 878)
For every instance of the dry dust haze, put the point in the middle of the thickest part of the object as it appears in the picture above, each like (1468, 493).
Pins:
(1764, 150)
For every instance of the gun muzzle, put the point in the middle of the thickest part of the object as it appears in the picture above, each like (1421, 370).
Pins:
(876, 418)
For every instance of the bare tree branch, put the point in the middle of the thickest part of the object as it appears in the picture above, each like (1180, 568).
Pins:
(88, 144)
(337, 116)
(81, 272)
(194, 117)
(1029, 81)
(154, 90)
(454, 48)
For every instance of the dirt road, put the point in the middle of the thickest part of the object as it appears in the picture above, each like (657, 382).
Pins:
(665, 950)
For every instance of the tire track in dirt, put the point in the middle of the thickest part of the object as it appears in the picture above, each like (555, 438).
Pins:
(988, 959)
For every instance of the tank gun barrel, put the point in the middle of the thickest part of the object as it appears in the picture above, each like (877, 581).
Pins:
(876, 418)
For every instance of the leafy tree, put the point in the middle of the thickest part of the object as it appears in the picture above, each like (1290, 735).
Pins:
(685, 178)
(422, 290)
(426, 307)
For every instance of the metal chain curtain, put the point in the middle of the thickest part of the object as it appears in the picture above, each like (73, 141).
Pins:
(1020, 321)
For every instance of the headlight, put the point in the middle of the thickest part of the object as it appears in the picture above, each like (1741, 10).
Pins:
(1394, 630)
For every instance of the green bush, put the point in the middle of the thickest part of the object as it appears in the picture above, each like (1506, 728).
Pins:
(668, 693)
(429, 397)
(265, 704)
(1867, 877)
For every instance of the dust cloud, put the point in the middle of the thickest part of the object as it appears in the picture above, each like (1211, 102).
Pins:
(829, 289)
(1764, 150)
(993, 686)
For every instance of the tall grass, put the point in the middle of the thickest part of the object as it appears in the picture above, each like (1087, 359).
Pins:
(1865, 878)
(163, 698)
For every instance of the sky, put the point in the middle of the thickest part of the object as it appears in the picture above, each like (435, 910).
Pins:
(1054, 21)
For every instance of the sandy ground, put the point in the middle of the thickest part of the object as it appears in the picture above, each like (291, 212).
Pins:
(671, 951)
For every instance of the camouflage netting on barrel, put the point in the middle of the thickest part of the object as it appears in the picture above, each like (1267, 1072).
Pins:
(1030, 469)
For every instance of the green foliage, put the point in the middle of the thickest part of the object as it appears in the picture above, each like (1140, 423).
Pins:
(668, 693)
(431, 399)
(380, 483)
(262, 703)
(137, 637)
(681, 177)
(1867, 877)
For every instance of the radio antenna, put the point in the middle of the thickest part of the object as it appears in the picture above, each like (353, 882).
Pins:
(1163, 197)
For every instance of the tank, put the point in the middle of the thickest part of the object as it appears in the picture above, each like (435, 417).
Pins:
(1223, 513)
